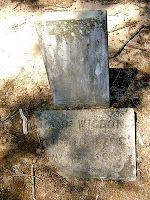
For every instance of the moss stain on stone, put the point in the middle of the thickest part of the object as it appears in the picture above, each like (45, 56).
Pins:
(73, 28)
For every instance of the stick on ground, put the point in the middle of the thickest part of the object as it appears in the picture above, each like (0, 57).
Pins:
(123, 46)
(33, 182)
(10, 115)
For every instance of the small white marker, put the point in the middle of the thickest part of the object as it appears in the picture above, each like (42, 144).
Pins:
(140, 139)
(97, 196)
(25, 122)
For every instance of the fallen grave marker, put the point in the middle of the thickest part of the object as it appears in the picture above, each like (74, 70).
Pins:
(98, 143)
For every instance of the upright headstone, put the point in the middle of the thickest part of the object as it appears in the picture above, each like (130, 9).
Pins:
(90, 143)
(75, 51)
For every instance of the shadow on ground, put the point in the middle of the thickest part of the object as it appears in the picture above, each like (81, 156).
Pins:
(120, 80)
(24, 150)
(6, 194)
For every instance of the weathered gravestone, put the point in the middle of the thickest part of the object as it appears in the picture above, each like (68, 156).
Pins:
(75, 51)
(90, 143)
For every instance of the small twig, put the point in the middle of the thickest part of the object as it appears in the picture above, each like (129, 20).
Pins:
(2, 125)
(40, 142)
(117, 29)
(17, 5)
(14, 26)
(130, 46)
(135, 105)
(116, 77)
(20, 175)
(123, 46)
(64, 179)
(6, 118)
(10, 170)
(33, 182)
(10, 115)
(13, 171)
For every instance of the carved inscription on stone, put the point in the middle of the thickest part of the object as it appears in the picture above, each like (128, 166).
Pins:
(90, 143)
(90, 124)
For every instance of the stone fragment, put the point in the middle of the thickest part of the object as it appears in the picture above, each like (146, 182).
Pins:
(75, 51)
(90, 143)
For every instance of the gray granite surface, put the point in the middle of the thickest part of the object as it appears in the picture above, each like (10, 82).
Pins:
(75, 52)
(98, 143)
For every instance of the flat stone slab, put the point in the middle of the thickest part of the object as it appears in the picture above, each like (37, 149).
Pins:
(98, 143)
(75, 51)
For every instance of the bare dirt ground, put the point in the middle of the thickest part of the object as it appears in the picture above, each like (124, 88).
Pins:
(23, 82)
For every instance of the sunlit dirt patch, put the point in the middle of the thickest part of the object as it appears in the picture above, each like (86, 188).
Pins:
(24, 83)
